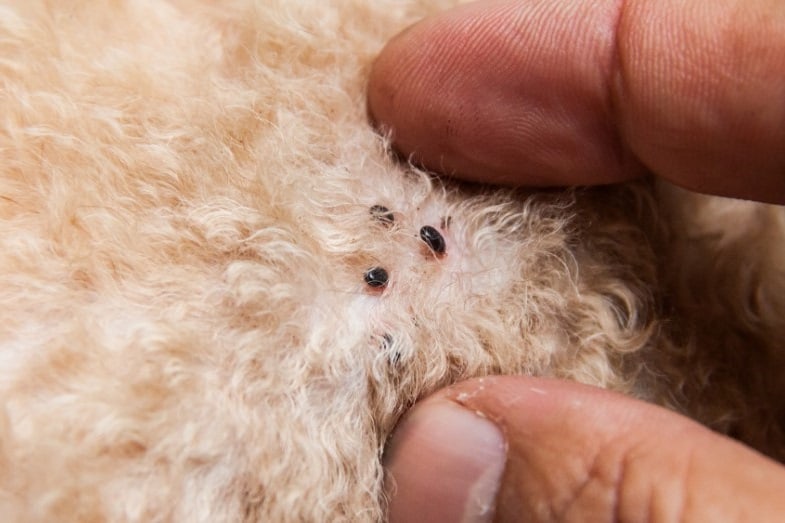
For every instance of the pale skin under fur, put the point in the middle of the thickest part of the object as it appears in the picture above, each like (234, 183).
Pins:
(185, 333)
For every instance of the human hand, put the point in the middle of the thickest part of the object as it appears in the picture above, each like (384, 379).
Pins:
(544, 450)
(548, 92)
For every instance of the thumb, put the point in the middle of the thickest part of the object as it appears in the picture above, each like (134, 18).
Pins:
(528, 449)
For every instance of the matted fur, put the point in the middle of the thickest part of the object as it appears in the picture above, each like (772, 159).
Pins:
(185, 333)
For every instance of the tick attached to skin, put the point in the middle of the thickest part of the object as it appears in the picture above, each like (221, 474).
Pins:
(387, 343)
(383, 215)
(433, 239)
(376, 277)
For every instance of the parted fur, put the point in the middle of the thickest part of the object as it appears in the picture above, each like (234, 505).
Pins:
(185, 332)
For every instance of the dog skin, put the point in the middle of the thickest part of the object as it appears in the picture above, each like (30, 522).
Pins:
(192, 197)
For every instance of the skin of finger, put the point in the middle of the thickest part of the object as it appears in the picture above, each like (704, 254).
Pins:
(501, 91)
(546, 92)
(700, 93)
(580, 453)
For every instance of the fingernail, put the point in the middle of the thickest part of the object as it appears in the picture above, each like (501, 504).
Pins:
(444, 463)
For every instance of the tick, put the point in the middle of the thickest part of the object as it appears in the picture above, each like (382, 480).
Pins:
(387, 343)
(433, 239)
(376, 277)
(382, 214)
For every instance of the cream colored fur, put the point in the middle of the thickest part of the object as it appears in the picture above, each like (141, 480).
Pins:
(185, 333)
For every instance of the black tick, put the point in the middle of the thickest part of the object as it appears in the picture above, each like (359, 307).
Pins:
(383, 215)
(433, 239)
(376, 277)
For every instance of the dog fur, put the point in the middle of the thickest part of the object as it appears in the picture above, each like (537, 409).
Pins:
(185, 332)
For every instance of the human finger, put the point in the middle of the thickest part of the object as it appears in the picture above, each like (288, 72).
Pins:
(527, 449)
(546, 92)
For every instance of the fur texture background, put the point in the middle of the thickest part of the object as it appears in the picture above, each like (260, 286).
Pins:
(185, 333)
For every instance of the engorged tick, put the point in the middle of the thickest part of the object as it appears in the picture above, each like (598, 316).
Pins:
(376, 277)
(382, 214)
(433, 239)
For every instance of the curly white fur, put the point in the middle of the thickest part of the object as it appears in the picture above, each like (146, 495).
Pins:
(185, 333)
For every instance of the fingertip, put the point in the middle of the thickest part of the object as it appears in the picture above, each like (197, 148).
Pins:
(444, 463)
(478, 93)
